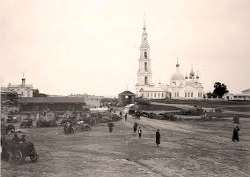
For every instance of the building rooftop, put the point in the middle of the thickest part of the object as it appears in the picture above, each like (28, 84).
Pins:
(51, 100)
(126, 93)
(246, 91)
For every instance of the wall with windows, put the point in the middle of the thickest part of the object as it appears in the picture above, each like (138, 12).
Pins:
(155, 94)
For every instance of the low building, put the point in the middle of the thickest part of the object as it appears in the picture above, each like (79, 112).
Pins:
(243, 96)
(59, 106)
(92, 101)
(126, 98)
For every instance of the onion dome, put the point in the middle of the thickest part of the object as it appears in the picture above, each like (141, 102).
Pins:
(177, 76)
(197, 75)
(191, 74)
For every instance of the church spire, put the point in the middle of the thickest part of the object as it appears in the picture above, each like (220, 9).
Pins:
(177, 63)
(144, 42)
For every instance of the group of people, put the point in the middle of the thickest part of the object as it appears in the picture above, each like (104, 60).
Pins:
(125, 116)
(68, 128)
(16, 139)
(157, 134)
(138, 129)
(235, 136)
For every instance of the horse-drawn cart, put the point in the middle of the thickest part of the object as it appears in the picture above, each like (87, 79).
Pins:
(17, 151)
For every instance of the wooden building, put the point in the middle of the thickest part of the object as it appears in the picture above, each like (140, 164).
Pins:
(126, 98)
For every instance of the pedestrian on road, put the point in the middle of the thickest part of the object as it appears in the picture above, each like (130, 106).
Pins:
(126, 116)
(157, 137)
(139, 132)
(120, 114)
(135, 127)
(236, 134)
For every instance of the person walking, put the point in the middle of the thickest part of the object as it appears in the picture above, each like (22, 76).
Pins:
(157, 137)
(126, 116)
(139, 132)
(135, 127)
(235, 136)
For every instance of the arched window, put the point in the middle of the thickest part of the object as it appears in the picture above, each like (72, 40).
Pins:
(145, 66)
(146, 80)
(145, 55)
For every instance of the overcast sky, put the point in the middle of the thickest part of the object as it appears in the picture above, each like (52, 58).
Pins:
(92, 46)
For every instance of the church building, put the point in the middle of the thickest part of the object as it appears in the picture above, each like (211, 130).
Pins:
(22, 90)
(180, 87)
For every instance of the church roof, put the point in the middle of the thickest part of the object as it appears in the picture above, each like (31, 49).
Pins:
(177, 76)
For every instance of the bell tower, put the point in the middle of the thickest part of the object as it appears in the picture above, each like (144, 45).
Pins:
(144, 73)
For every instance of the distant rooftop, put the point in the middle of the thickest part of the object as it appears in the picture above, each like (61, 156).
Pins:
(126, 93)
(51, 100)
(246, 91)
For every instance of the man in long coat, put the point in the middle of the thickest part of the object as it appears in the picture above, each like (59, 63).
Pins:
(139, 132)
(157, 137)
(135, 127)
(236, 134)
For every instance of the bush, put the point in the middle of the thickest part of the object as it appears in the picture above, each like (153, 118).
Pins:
(141, 101)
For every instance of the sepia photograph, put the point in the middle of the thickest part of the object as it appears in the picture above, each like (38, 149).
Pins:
(125, 88)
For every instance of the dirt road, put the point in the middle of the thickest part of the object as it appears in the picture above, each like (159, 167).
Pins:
(188, 148)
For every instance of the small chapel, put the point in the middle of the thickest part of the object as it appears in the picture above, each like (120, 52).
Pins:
(180, 87)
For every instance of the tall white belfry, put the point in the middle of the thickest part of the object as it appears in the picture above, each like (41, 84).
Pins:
(144, 73)
(180, 87)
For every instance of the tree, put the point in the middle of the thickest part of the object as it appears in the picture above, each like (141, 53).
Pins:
(219, 89)
(36, 93)
(210, 95)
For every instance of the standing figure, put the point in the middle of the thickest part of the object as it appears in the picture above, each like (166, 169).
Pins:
(126, 116)
(135, 127)
(236, 134)
(120, 114)
(157, 137)
(139, 132)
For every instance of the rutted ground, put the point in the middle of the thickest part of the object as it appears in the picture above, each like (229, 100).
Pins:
(188, 148)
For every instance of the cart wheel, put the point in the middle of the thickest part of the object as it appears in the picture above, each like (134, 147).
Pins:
(18, 156)
(34, 157)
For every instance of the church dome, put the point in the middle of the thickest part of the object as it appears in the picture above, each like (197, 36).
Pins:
(177, 76)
